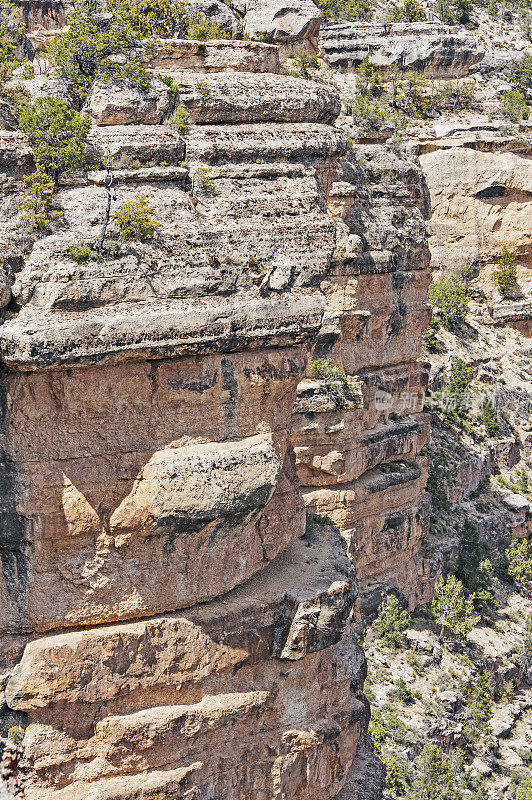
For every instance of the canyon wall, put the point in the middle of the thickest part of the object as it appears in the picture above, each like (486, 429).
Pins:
(165, 627)
(185, 504)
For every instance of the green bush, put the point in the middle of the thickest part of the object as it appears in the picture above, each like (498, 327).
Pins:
(82, 253)
(136, 221)
(37, 199)
(519, 560)
(519, 71)
(410, 11)
(181, 119)
(506, 273)
(204, 181)
(57, 134)
(202, 30)
(403, 692)
(90, 50)
(350, 10)
(164, 18)
(448, 295)
(452, 609)
(303, 63)
(460, 376)
(479, 708)
(514, 106)
(392, 622)
(488, 417)
(336, 382)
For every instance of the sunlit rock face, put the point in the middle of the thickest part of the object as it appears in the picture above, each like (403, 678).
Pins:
(358, 459)
(173, 623)
(166, 628)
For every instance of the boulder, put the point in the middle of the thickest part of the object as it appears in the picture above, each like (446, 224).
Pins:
(119, 104)
(220, 14)
(283, 21)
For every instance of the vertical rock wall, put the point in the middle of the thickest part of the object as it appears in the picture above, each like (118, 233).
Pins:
(358, 460)
(170, 624)
(166, 631)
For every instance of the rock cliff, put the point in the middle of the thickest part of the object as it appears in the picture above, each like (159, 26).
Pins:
(186, 500)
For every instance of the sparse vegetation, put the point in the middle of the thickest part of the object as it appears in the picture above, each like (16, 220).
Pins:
(135, 220)
(448, 295)
(181, 119)
(519, 558)
(392, 622)
(335, 381)
(506, 273)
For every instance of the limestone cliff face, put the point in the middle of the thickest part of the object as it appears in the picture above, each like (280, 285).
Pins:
(165, 629)
(170, 624)
(358, 464)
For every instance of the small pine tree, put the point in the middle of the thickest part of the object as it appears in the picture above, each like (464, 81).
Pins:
(488, 417)
(444, 12)
(392, 622)
(135, 220)
(410, 11)
(493, 9)
(519, 558)
(460, 377)
(479, 707)
(449, 296)
(452, 610)
(36, 201)
(57, 134)
(181, 119)
(506, 273)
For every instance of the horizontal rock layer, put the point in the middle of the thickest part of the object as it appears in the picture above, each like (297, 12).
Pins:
(437, 50)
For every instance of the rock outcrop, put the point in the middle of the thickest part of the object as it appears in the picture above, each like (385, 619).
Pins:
(184, 503)
(436, 50)
(165, 627)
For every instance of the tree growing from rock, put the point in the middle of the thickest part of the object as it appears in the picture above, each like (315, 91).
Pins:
(506, 273)
(57, 134)
(136, 220)
(453, 611)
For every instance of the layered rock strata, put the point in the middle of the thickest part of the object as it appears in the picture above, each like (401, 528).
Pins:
(436, 50)
(165, 628)
(357, 460)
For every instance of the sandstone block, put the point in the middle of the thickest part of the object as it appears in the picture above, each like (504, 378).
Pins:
(282, 21)
(119, 104)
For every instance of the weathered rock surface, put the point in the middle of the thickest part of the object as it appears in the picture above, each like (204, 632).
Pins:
(171, 625)
(436, 50)
(285, 22)
(357, 460)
